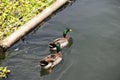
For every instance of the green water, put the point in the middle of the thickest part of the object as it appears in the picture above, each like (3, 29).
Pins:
(94, 54)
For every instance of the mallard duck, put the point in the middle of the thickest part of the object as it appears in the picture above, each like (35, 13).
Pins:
(51, 60)
(63, 41)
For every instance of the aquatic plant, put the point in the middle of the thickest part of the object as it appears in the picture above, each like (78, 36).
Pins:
(14, 13)
(4, 71)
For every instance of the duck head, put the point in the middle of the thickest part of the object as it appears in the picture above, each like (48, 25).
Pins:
(66, 31)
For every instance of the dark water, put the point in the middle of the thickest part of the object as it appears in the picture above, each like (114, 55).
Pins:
(94, 54)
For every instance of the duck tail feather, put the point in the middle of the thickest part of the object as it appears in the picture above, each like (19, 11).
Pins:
(52, 45)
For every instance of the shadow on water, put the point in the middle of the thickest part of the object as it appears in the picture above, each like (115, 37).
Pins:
(2, 54)
(44, 72)
(70, 42)
(69, 3)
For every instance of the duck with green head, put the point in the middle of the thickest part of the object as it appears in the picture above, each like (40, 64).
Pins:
(63, 41)
(51, 60)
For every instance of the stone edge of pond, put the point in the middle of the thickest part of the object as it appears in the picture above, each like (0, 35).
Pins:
(30, 25)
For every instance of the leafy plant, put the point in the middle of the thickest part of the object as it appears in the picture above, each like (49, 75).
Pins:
(14, 13)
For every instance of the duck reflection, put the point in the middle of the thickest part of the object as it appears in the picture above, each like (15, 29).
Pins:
(44, 72)
(70, 42)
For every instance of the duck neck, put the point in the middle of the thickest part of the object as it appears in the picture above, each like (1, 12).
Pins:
(65, 33)
(58, 49)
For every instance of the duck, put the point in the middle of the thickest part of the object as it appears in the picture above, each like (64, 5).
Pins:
(63, 41)
(50, 61)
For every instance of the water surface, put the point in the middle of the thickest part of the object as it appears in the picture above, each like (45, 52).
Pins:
(94, 54)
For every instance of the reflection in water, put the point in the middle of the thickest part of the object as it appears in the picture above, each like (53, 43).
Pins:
(2, 56)
(44, 72)
(70, 42)
(64, 71)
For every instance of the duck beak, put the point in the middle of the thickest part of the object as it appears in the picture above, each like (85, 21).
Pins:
(70, 30)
